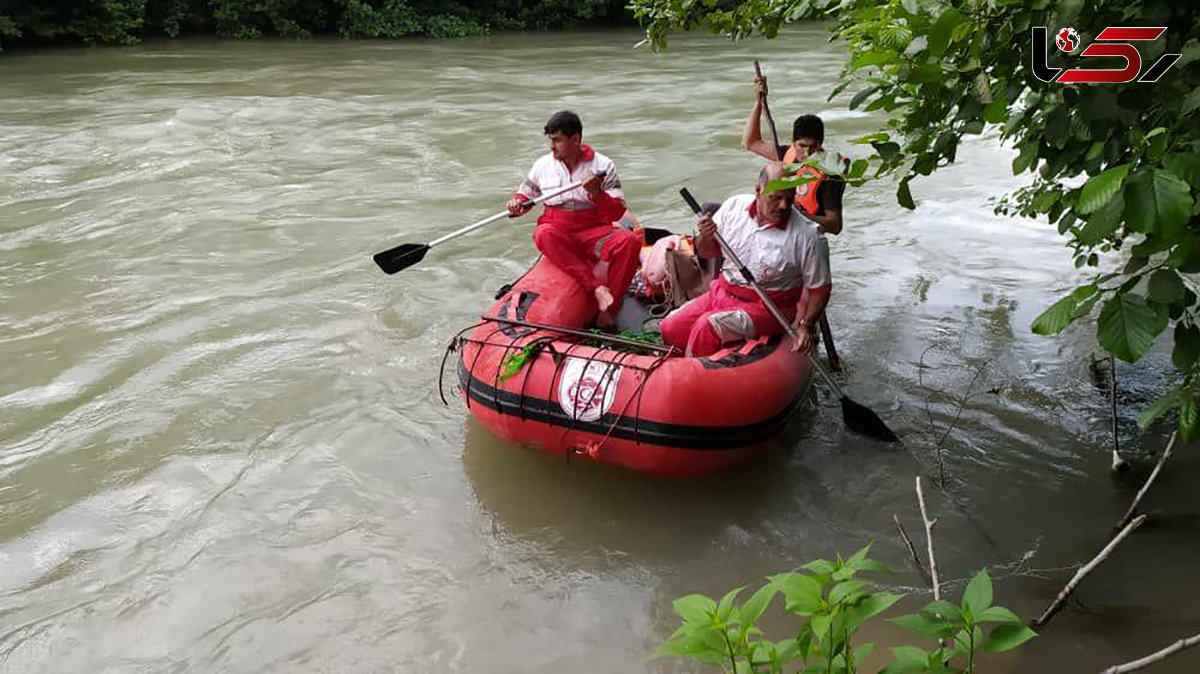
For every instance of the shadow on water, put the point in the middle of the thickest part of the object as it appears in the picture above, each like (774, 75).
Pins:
(585, 509)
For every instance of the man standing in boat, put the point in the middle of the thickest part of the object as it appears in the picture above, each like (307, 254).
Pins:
(781, 247)
(576, 230)
(820, 200)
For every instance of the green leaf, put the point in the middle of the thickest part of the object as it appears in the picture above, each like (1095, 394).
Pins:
(862, 96)
(1191, 102)
(1159, 407)
(846, 591)
(907, 659)
(858, 168)
(707, 647)
(978, 596)
(1157, 201)
(820, 625)
(869, 607)
(888, 151)
(1007, 637)
(871, 58)
(803, 594)
(1189, 418)
(788, 649)
(997, 614)
(1055, 319)
(695, 608)
(996, 111)
(904, 195)
(1104, 222)
(1100, 188)
(1165, 287)
(1128, 326)
(725, 606)
(819, 566)
(1187, 346)
(943, 611)
(754, 607)
(1186, 166)
(877, 137)
(942, 30)
(863, 652)
(787, 183)
(923, 625)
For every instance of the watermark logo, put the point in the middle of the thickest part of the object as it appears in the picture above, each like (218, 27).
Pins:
(1112, 41)
(1067, 40)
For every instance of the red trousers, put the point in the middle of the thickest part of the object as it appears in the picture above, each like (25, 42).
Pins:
(725, 314)
(574, 241)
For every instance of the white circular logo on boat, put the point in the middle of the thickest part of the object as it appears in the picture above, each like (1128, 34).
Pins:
(587, 389)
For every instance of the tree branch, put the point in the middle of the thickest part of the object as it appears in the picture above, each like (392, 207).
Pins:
(937, 592)
(1145, 487)
(1119, 465)
(912, 550)
(1070, 587)
(1154, 657)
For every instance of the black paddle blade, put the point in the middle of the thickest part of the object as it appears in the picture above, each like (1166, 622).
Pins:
(862, 420)
(400, 257)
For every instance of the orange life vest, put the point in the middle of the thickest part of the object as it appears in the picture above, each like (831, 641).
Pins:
(806, 194)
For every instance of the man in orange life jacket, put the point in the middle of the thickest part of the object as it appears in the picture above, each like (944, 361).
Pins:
(576, 230)
(820, 200)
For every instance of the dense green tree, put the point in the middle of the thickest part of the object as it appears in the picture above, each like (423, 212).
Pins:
(31, 22)
(1116, 167)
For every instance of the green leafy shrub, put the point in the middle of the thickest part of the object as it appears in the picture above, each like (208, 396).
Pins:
(832, 603)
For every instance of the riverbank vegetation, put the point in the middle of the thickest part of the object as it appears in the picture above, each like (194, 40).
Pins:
(31, 23)
(1115, 167)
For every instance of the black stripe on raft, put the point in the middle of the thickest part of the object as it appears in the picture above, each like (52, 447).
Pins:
(627, 427)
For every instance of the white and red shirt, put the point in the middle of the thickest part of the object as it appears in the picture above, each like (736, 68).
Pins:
(780, 258)
(549, 174)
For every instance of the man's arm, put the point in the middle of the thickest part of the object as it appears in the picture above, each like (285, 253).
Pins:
(830, 222)
(830, 198)
(818, 284)
(606, 194)
(526, 192)
(752, 139)
(707, 246)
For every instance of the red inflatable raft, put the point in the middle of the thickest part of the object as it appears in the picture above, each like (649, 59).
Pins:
(652, 409)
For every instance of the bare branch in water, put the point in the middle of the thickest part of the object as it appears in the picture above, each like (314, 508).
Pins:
(1165, 653)
(1079, 575)
(1150, 480)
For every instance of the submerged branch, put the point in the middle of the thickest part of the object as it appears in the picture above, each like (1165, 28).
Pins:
(1079, 575)
(1150, 480)
(1174, 648)
(912, 551)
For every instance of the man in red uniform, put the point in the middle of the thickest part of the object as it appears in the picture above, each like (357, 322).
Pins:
(576, 230)
(781, 248)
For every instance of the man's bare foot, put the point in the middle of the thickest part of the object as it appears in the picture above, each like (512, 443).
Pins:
(604, 298)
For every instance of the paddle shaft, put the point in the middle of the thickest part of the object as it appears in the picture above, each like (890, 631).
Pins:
(503, 214)
(770, 120)
(762, 294)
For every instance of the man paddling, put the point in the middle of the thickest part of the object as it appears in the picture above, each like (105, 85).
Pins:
(821, 200)
(575, 231)
(782, 249)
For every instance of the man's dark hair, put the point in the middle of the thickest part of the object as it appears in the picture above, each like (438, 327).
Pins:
(808, 126)
(565, 121)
